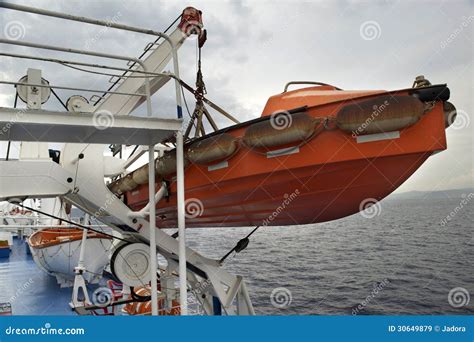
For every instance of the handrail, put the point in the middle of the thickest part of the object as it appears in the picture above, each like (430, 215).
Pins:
(93, 65)
(89, 53)
(308, 82)
(112, 25)
(69, 88)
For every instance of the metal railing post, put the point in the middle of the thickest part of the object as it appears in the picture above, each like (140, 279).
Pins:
(152, 216)
(152, 210)
(183, 287)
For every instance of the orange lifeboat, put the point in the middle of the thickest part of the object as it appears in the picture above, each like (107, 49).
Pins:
(56, 236)
(314, 155)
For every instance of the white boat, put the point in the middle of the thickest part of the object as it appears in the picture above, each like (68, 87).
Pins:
(12, 215)
(57, 250)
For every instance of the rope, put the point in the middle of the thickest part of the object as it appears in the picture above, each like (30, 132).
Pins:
(187, 108)
(198, 94)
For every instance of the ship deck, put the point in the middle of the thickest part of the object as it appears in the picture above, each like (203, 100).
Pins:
(28, 289)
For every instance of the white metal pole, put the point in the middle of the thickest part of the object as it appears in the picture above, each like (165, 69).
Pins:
(183, 293)
(152, 203)
(83, 248)
(152, 210)
(83, 244)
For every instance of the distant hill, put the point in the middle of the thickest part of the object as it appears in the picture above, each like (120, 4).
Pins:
(442, 194)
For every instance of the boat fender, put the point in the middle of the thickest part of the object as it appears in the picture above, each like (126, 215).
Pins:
(450, 114)
(380, 114)
(140, 175)
(213, 149)
(127, 183)
(166, 165)
(278, 131)
(115, 188)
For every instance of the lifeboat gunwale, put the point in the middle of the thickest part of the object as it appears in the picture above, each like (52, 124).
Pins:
(36, 239)
(411, 91)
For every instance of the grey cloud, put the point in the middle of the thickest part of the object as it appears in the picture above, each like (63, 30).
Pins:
(254, 48)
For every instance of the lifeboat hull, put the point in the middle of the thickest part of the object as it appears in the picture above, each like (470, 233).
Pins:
(56, 251)
(329, 177)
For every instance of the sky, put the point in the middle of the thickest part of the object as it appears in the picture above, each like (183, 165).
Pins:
(255, 47)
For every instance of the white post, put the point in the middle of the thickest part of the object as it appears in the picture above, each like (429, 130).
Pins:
(83, 244)
(151, 202)
(183, 292)
(152, 212)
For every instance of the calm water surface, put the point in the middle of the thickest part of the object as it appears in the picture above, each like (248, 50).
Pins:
(402, 261)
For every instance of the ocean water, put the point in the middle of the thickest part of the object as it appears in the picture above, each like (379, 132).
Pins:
(400, 258)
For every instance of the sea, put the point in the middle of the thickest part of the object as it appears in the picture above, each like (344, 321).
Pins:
(409, 254)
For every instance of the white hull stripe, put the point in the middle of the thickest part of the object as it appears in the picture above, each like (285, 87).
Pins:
(377, 137)
(219, 166)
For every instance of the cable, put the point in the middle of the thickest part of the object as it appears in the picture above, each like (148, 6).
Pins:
(101, 73)
(144, 52)
(58, 98)
(191, 122)
(134, 150)
(73, 223)
(240, 246)
(9, 141)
